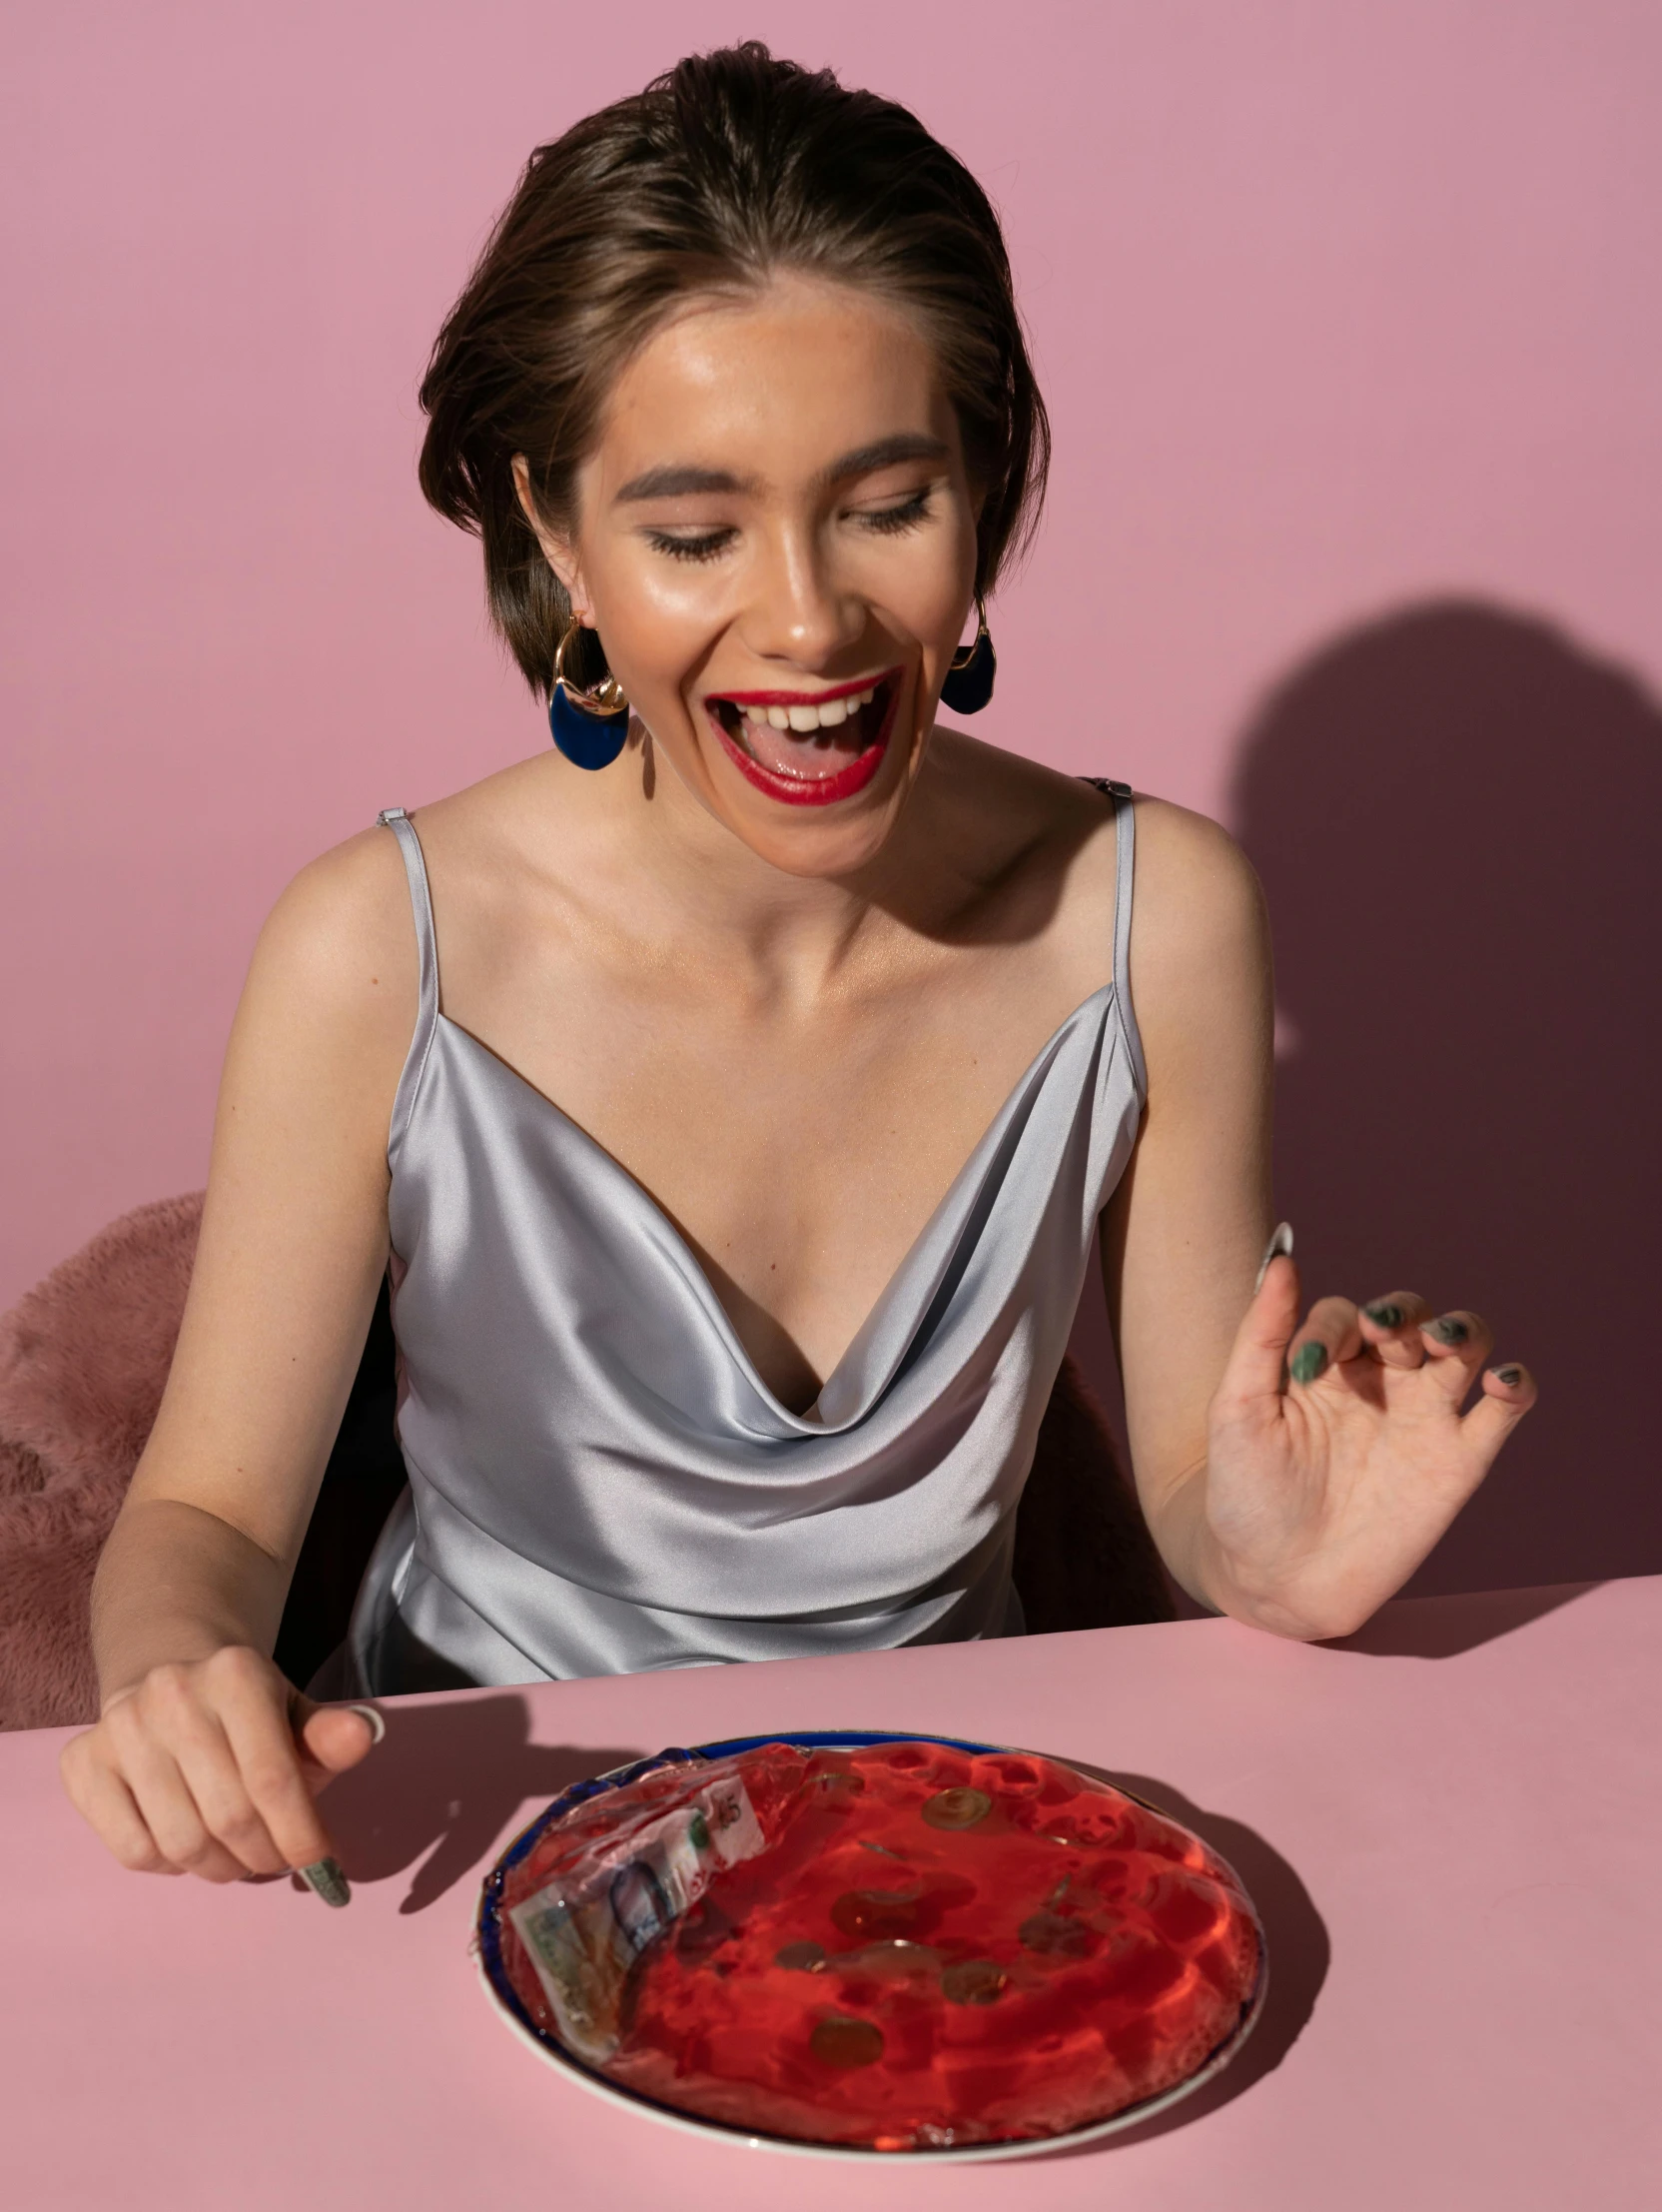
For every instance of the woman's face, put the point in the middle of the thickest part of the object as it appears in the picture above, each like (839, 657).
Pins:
(776, 543)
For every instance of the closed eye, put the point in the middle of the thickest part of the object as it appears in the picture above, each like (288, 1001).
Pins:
(906, 516)
(705, 546)
(709, 545)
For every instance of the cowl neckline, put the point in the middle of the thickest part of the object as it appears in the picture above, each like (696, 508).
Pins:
(878, 1349)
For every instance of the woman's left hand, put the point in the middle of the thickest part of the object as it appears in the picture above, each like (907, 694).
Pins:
(1337, 1453)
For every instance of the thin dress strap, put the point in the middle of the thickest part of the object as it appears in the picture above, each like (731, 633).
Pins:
(426, 944)
(1125, 832)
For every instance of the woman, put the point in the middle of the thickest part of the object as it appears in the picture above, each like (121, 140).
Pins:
(737, 1091)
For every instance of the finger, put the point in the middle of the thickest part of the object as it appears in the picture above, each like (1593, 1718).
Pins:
(335, 1738)
(1391, 1326)
(231, 1740)
(198, 1715)
(1456, 1344)
(1330, 1334)
(1279, 1247)
(1512, 1383)
(217, 1775)
(174, 1819)
(274, 1773)
(1252, 1372)
(147, 1733)
(1509, 1392)
(106, 1803)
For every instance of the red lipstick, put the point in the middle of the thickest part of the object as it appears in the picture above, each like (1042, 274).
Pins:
(806, 790)
(809, 698)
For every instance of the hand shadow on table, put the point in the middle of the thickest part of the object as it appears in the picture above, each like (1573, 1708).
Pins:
(452, 1775)
(1296, 1939)
(1444, 1627)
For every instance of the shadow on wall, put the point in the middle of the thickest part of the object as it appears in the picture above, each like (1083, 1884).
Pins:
(1456, 813)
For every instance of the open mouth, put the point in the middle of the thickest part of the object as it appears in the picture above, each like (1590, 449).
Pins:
(809, 749)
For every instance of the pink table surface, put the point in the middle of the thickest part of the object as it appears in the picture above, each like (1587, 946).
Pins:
(1450, 1825)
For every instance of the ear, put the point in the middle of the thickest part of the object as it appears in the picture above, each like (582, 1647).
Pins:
(558, 549)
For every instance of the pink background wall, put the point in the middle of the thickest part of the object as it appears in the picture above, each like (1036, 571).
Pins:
(1350, 319)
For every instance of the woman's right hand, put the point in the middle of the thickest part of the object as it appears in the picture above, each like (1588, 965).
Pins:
(211, 1767)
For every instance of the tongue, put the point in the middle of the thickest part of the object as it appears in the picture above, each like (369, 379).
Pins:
(811, 756)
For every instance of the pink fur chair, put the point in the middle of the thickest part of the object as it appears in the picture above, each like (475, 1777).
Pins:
(84, 1356)
(82, 1361)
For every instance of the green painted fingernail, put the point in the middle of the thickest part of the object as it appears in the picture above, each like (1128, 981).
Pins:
(1448, 1329)
(1307, 1362)
(1384, 1314)
(326, 1878)
(1510, 1376)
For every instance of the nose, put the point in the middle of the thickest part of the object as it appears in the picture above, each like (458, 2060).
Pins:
(797, 613)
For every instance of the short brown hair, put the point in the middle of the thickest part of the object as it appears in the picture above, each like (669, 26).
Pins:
(730, 166)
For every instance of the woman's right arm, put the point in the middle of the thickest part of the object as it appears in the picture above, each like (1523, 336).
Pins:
(205, 1760)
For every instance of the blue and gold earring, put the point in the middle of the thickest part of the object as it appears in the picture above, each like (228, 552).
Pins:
(589, 728)
(968, 682)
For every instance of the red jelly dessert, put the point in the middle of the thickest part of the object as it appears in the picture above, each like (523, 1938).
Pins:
(903, 1947)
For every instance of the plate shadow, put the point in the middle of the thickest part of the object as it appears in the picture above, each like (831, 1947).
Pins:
(1295, 1937)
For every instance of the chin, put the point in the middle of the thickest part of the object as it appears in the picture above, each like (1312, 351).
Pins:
(829, 850)
(821, 801)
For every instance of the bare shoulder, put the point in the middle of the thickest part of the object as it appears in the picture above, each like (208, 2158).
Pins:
(346, 915)
(1027, 828)
(516, 813)
(335, 961)
(1196, 891)
(341, 943)
(1200, 942)
(1000, 784)
(1195, 897)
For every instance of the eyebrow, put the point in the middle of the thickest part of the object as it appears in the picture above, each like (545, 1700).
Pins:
(886, 454)
(675, 480)
(672, 481)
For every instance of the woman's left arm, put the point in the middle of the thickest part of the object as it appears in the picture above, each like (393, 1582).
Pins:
(1292, 1475)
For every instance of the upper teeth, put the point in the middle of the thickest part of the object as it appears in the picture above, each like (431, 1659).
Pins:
(824, 717)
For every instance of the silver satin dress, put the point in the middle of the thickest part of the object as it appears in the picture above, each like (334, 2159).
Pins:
(600, 1479)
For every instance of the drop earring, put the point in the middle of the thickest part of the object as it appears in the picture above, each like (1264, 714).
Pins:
(969, 681)
(588, 728)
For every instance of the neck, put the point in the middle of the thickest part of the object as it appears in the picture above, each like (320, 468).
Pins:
(702, 884)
